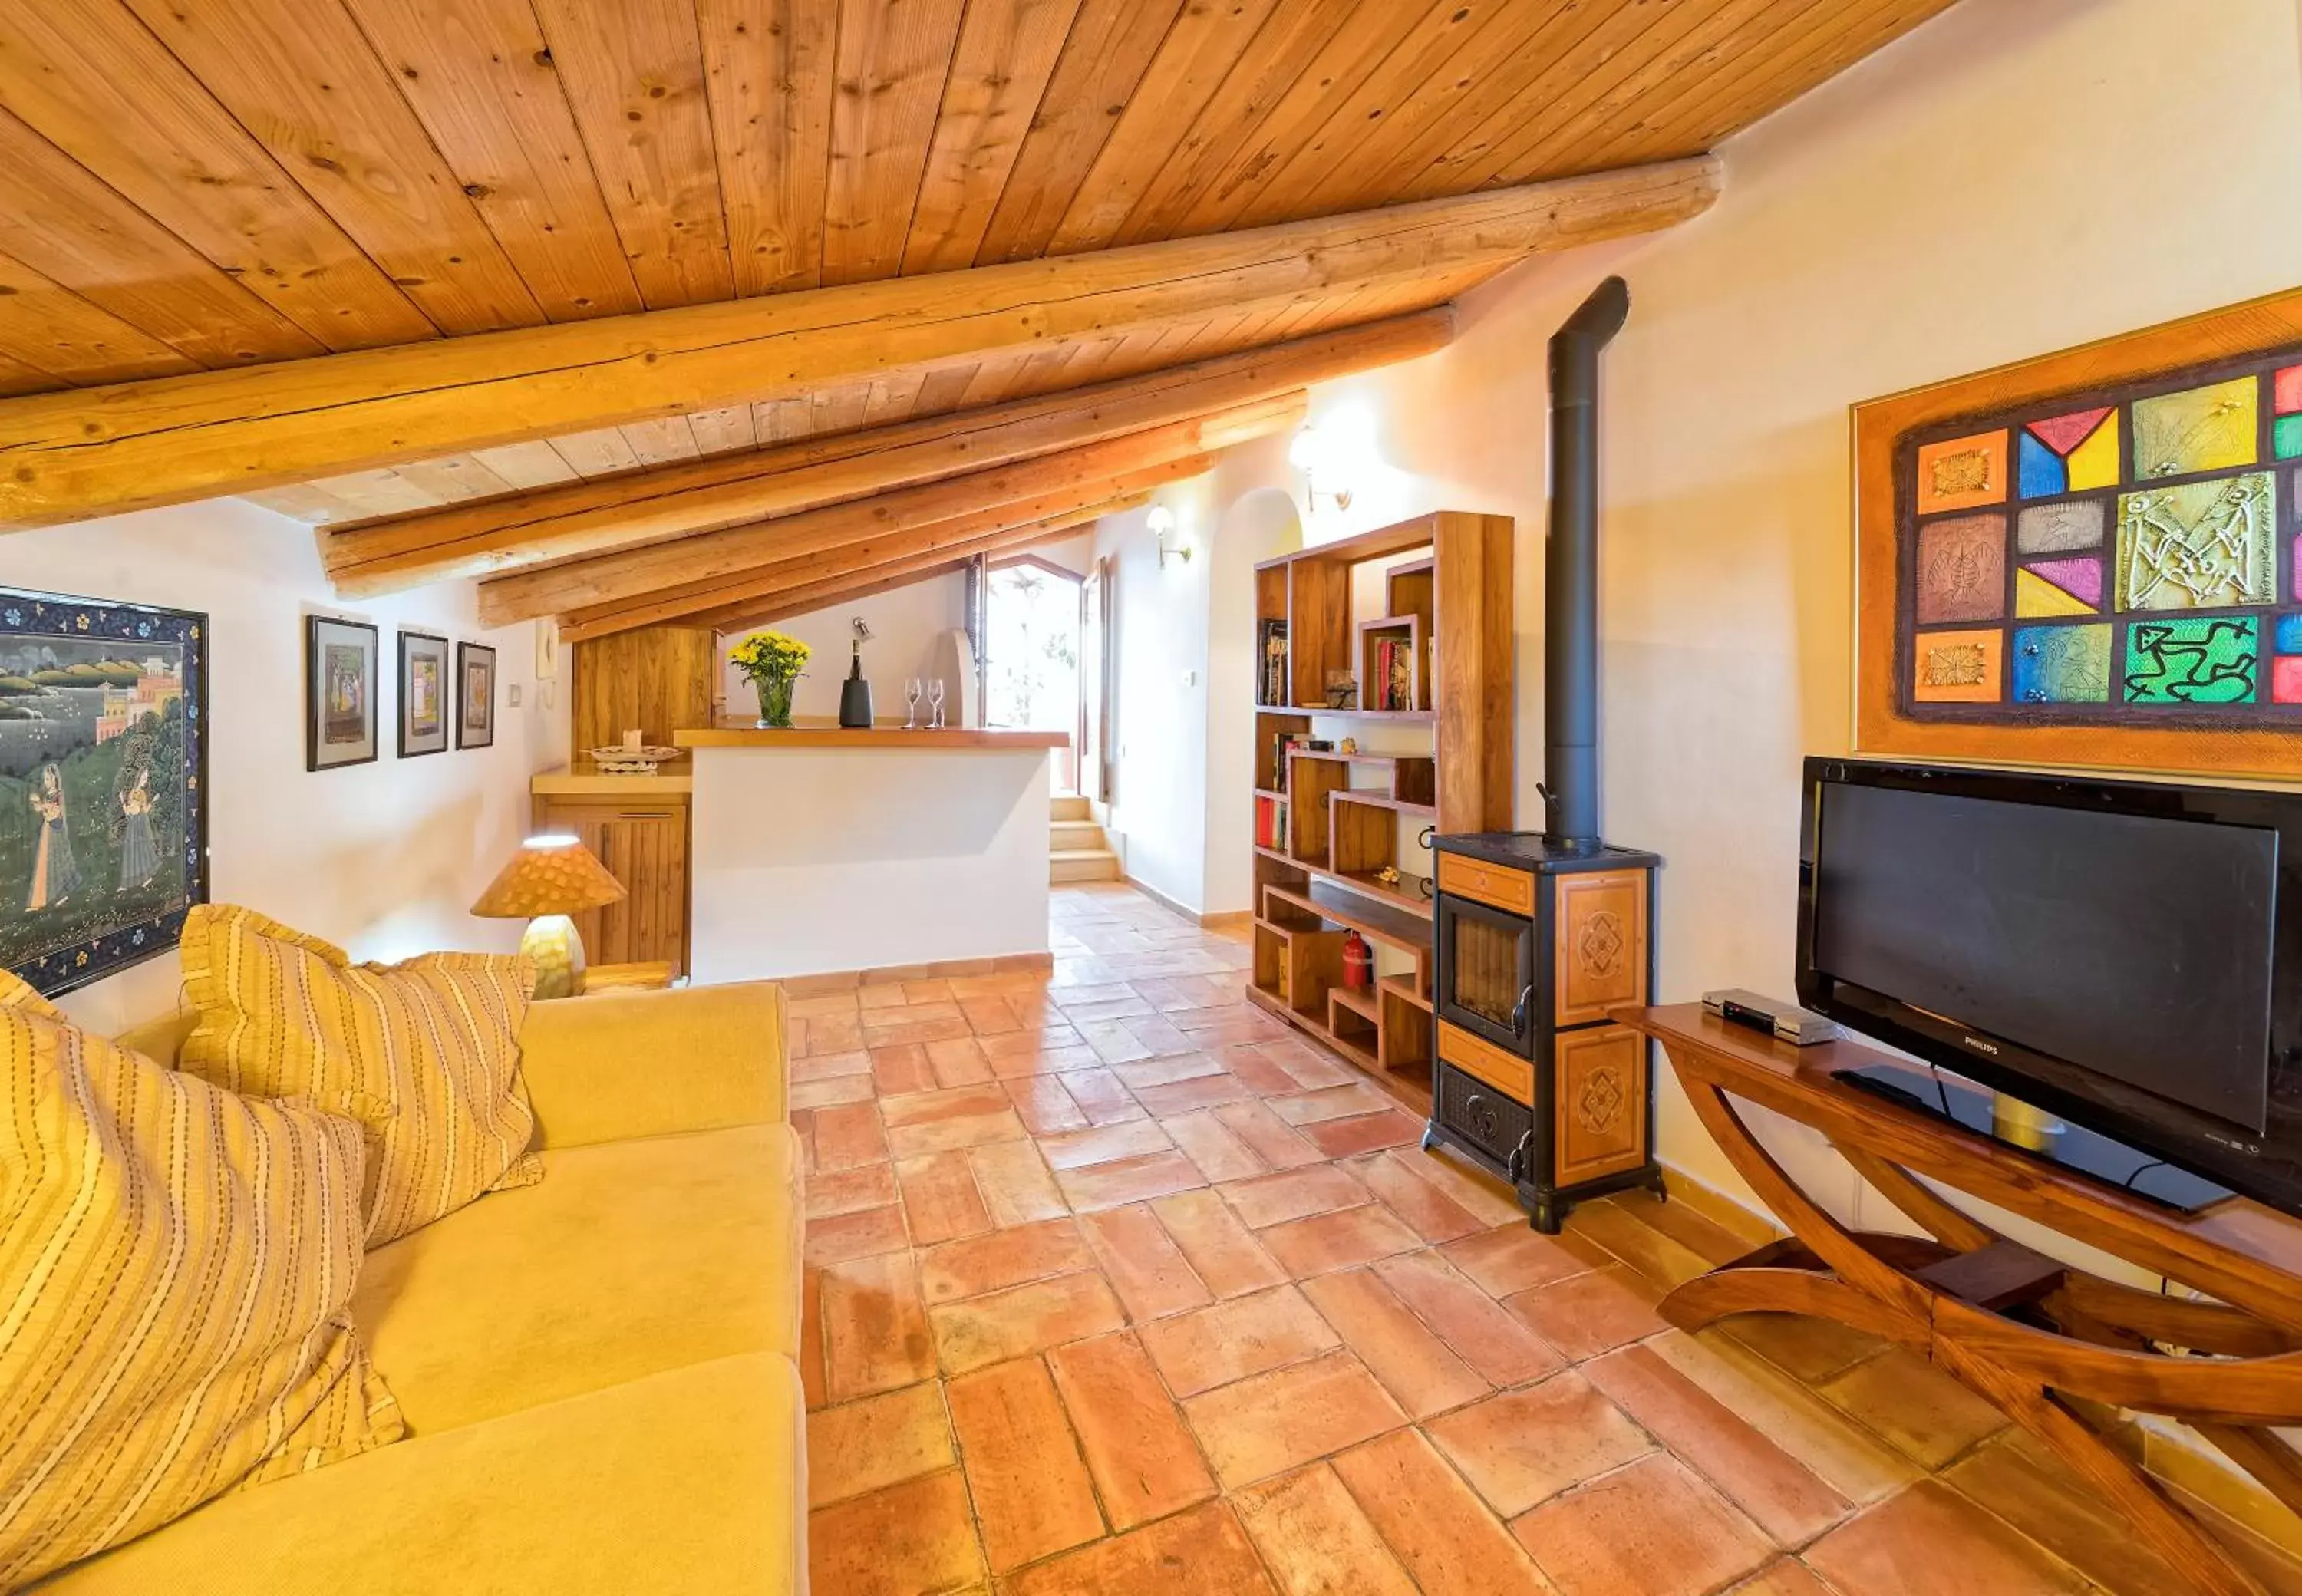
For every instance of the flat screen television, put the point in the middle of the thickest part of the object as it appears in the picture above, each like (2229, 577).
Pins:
(2127, 955)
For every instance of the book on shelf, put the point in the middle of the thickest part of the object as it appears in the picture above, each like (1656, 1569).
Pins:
(1284, 743)
(1272, 688)
(1394, 674)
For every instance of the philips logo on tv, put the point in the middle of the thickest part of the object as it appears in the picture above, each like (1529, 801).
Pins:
(1980, 1046)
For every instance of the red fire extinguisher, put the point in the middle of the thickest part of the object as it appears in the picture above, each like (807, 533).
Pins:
(1358, 960)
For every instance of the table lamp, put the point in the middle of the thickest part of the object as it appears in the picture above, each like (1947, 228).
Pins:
(551, 878)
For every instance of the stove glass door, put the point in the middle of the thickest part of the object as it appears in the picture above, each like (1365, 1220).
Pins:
(1486, 970)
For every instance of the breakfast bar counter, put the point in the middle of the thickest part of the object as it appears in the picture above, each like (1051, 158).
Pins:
(744, 734)
(818, 850)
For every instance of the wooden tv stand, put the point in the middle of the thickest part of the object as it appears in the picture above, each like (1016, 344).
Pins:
(2022, 1330)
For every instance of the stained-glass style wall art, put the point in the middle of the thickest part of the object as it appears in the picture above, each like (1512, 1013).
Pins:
(2128, 557)
(2091, 558)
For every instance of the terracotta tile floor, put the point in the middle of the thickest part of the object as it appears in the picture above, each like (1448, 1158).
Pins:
(1118, 1285)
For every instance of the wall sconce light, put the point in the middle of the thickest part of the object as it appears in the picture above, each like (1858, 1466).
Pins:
(1161, 522)
(1308, 454)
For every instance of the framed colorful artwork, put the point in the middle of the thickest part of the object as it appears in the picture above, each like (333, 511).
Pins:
(475, 695)
(423, 694)
(2092, 559)
(340, 670)
(104, 836)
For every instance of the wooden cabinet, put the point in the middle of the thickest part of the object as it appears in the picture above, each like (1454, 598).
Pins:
(643, 842)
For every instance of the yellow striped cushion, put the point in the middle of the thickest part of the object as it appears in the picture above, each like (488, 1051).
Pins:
(425, 1053)
(175, 1269)
(16, 993)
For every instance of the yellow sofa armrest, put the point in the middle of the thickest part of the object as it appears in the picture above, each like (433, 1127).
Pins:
(649, 1063)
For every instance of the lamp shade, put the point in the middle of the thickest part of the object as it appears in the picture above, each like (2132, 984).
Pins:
(550, 874)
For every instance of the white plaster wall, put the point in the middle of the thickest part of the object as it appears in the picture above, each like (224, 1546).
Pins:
(808, 861)
(905, 625)
(2015, 176)
(1073, 554)
(384, 858)
(1256, 524)
(1186, 676)
(1158, 818)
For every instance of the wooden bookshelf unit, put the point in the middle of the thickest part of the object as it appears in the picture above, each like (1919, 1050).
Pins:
(1439, 757)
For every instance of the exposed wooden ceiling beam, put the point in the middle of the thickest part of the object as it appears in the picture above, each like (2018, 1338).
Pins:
(564, 521)
(169, 439)
(823, 595)
(1083, 473)
(952, 538)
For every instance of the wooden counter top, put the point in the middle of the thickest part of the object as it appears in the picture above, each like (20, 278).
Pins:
(734, 734)
(582, 779)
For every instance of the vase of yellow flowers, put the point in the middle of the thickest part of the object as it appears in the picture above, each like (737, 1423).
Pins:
(771, 661)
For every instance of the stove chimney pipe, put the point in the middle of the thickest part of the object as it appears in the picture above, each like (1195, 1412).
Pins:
(1570, 679)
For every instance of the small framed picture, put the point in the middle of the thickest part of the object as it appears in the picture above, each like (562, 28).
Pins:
(423, 694)
(547, 648)
(339, 659)
(475, 695)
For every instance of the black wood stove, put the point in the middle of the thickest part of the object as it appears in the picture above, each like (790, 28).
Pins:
(1539, 933)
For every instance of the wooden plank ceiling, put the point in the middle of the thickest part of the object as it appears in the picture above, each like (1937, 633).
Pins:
(197, 186)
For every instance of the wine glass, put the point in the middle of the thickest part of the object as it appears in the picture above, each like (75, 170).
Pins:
(935, 701)
(913, 686)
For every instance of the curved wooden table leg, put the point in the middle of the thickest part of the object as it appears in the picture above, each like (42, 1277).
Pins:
(2168, 1531)
(1948, 1224)
(1788, 1252)
(1856, 1267)
(2042, 1341)
(1763, 1289)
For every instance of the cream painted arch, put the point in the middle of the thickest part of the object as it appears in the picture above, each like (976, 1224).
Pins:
(1259, 523)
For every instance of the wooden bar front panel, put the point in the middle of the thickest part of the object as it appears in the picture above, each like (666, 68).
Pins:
(1601, 944)
(1601, 1113)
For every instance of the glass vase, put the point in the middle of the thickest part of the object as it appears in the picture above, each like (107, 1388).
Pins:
(775, 700)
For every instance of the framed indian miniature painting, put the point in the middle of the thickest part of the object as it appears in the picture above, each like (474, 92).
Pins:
(423, 694)
(103, 784)
(2091, 559)
(340, 674)
(475, 695)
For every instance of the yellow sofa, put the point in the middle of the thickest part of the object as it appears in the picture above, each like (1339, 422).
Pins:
(598, 1372)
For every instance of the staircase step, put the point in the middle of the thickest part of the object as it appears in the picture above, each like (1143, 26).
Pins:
(1082, 864)
(1063, 835)
(1070, 806)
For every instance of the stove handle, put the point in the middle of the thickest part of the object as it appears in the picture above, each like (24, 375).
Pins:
(1518, 1012)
